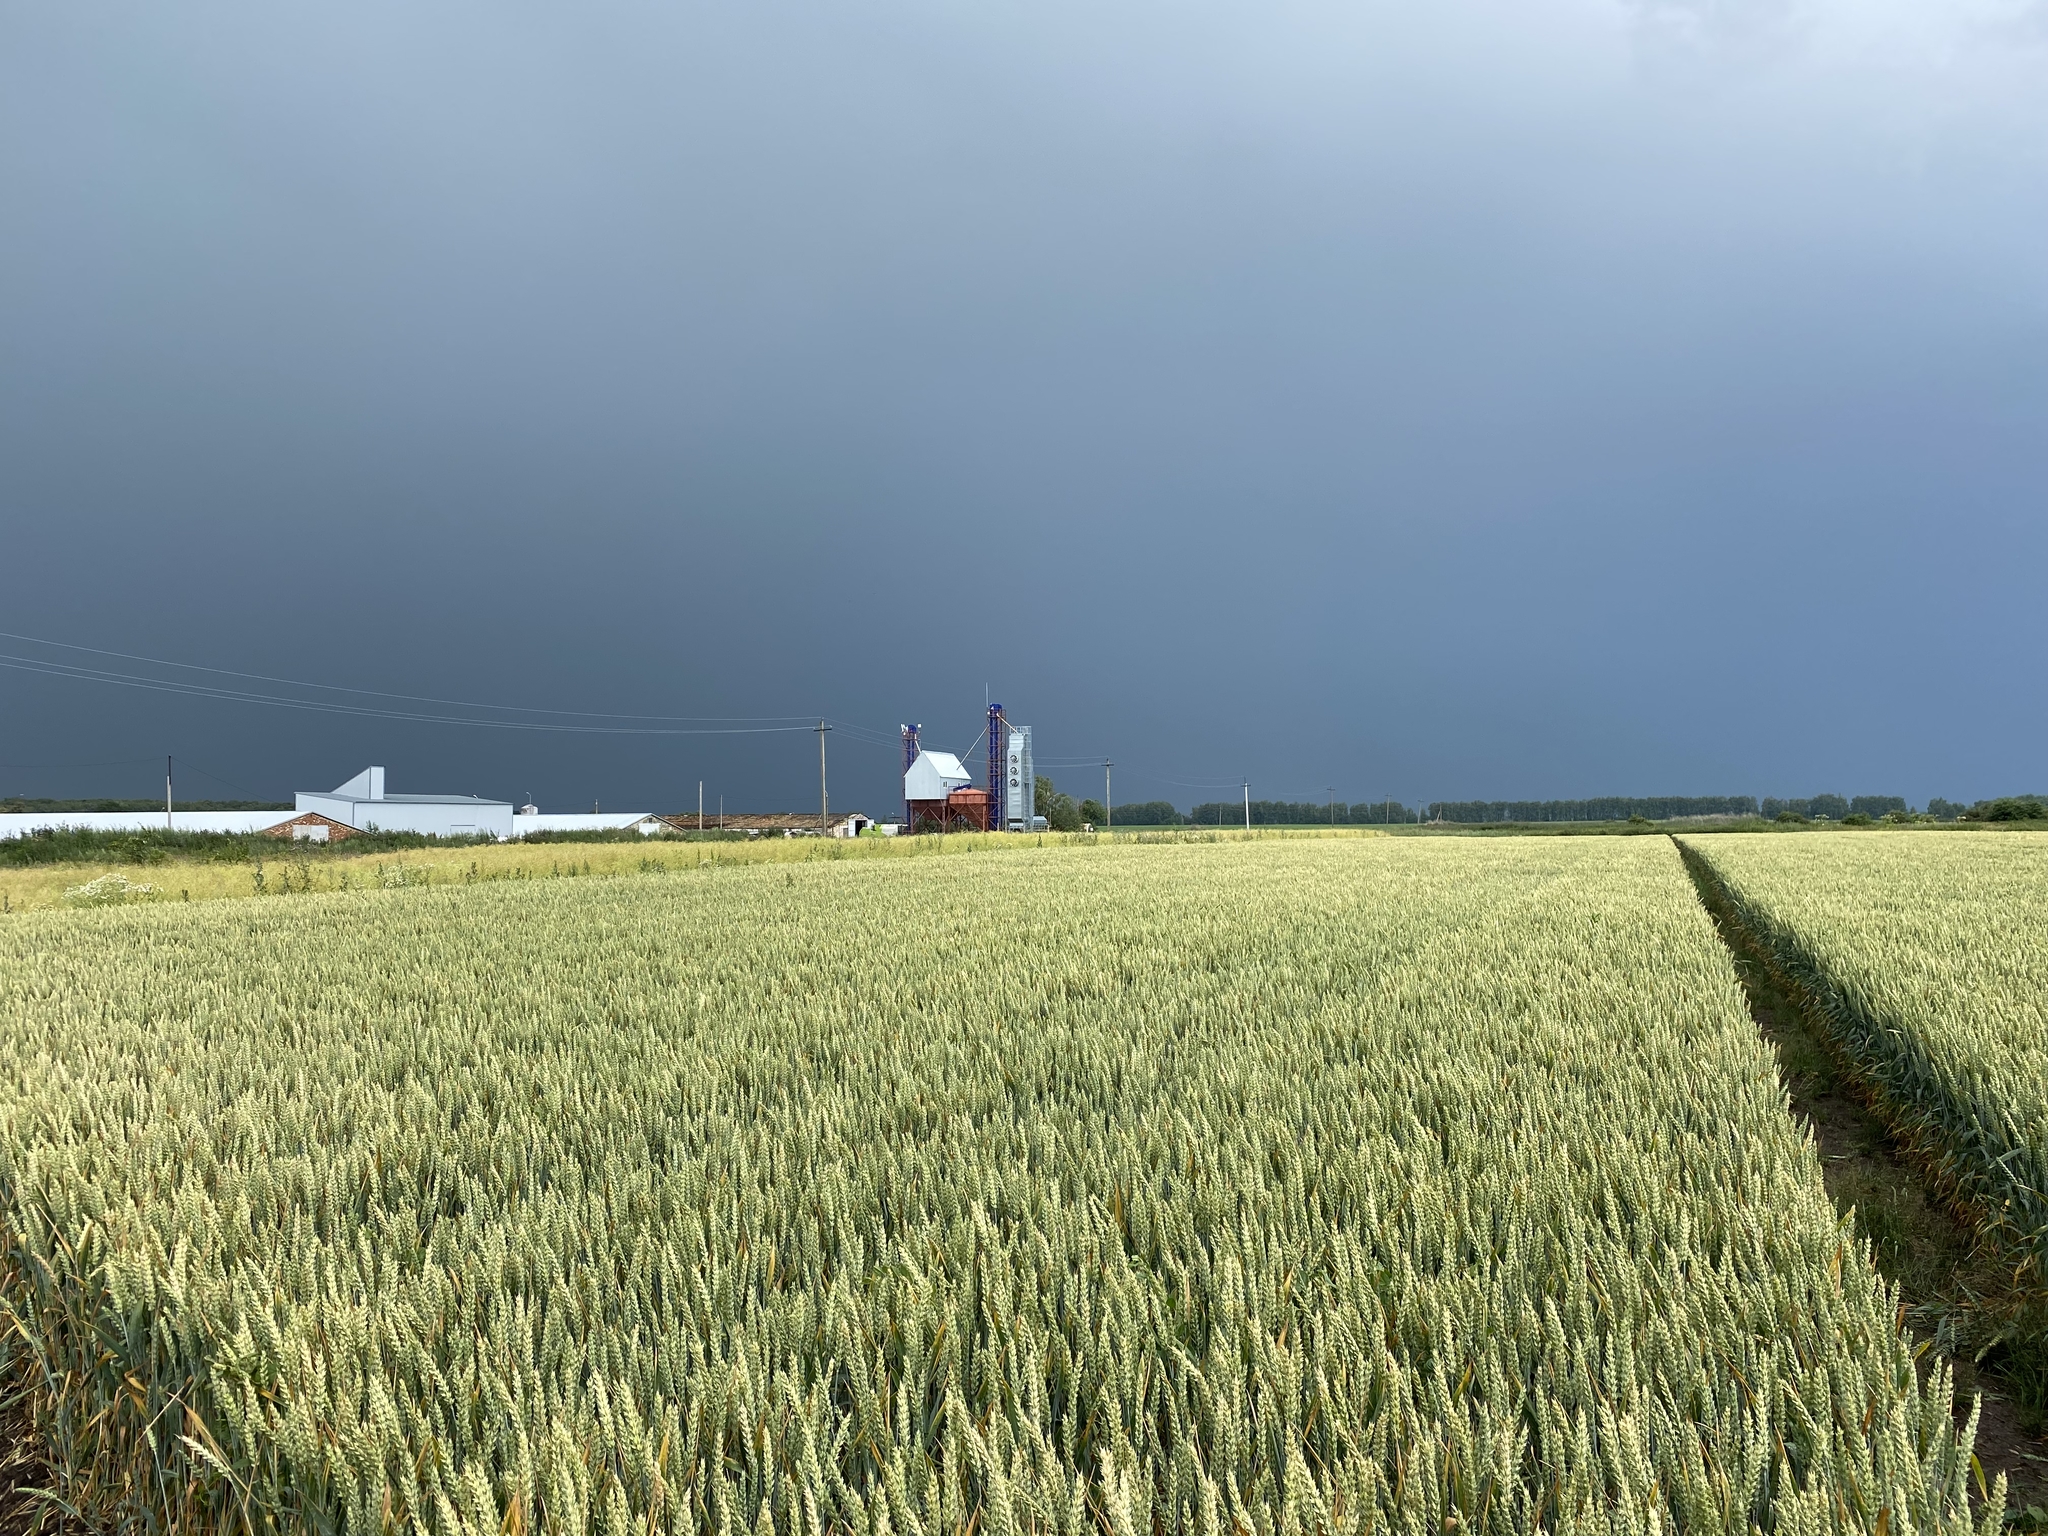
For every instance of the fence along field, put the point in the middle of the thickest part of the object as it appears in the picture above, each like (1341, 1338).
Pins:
(1927, 959)
(1260, 1188)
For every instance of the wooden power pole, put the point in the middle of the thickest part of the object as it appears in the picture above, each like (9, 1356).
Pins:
(824, 801)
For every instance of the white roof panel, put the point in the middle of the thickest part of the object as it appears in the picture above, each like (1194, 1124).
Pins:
(934, 776)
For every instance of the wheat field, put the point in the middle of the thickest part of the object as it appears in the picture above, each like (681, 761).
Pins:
(284, 869)
(1260, 1188)
(1927, 958)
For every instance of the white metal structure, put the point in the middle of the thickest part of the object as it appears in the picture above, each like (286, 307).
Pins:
(1020, 781)
(935, 775)
(364, 803)
(527, 823)
(22, 823)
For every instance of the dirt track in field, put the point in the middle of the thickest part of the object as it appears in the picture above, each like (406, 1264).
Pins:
(23, 1476)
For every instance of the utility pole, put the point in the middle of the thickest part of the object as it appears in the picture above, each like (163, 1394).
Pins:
(700, 805)
(1108, 805)
(1331, 791)
(1247, 805)
(824, 804)
(167, 793)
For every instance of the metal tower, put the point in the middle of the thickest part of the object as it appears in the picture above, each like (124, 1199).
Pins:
(910, 750)
(995, 767)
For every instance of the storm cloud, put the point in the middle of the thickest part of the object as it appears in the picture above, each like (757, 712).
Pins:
(1472, 400)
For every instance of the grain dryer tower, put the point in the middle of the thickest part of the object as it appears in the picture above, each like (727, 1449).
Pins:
(938, 792)
(1020, 781)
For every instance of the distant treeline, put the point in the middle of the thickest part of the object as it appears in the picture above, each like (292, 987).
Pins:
(1611, 808)
(1147, 813)
(1269, 813)
(15, 804)
(1265, 813)
(1835, 807)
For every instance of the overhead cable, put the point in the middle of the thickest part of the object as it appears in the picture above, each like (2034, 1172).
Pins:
(410, 698)
(317, 706)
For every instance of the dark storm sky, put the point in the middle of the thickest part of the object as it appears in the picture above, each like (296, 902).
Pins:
(1475, 399)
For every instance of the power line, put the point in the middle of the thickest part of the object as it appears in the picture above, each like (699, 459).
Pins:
(316, 706)
(410, 698)
(125, 762)
(668, 725)
(207, 773)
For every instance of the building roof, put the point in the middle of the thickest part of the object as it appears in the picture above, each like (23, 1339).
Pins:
(934, 775)
(579, 821)
(432, 800)
(758, 821)
(367, 788)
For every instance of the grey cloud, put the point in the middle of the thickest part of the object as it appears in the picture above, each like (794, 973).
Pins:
(1478, 398)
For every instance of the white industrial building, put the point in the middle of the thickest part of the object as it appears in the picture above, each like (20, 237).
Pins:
(365, 804)
(362, 803)
(935, 775)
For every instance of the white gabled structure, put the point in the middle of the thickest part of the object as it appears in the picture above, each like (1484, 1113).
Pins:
(364, 803)
(935, 775)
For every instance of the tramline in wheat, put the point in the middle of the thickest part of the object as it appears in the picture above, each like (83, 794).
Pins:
(1927, 958)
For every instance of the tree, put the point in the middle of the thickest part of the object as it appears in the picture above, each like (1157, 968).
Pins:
(2008, 808)
(1092, 813)
(1059, 811)
(1149, 813)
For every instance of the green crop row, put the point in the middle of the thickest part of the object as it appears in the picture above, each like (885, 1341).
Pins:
(1263, 1189)
(1927, 962)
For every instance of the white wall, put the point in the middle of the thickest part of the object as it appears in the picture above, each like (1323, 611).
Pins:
(433, 818)
(20, 824)
(586, 821)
